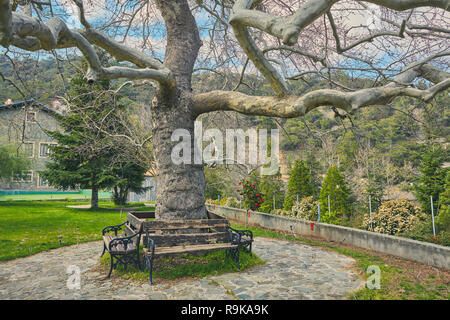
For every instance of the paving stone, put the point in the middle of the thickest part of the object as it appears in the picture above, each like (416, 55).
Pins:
(292, 271)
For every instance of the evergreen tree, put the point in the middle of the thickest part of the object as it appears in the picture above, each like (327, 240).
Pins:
(334, 186)
(431, 181)
(300, 183)
(87, 155)
(79, 161)
(443, 218)
(270, 186)
(127, 176)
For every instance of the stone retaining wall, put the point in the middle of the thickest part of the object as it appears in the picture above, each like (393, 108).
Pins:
(428, 253)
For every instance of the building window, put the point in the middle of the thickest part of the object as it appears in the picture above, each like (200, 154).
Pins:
(44, 150)
(24, 176)
(42, 182)
(31, 117)
(27, 149)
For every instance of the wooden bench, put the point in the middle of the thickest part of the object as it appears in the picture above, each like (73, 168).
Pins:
(173, 237)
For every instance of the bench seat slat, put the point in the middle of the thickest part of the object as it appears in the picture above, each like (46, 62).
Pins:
(160, 251)
(167, 240)
(154, 228)
(160, 224)
(118, 249)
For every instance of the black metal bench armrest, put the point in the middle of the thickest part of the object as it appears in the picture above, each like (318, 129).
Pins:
(235, 237)
(247, 233)
(113, 228)
(150, 243)
(125, 242)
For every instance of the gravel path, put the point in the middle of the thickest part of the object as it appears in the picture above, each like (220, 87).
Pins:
(292, 271)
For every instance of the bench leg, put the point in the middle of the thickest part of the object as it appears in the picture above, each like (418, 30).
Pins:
(104, 249)
(237, 259)
(151, 271)
(149, 265)
(138, 261)
(112, 265)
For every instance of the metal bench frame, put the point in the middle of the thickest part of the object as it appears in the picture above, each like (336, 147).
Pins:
(118, 247)
(235, 243)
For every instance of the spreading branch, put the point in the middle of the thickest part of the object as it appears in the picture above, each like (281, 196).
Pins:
(31, 34)
(297, 106)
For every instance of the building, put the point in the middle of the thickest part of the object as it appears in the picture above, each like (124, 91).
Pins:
(150, 194)
(23, 123)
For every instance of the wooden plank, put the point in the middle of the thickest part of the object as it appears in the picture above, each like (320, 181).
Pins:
(160, 251)
(134, 221)
(143, 214)
(185, 227)
(212, 215)
(128, 230)
(187, 239)
(161, 224)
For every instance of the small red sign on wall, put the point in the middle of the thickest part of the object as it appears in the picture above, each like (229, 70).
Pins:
(312, 226)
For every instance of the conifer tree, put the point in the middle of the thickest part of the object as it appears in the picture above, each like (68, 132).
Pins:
(431, 181)
(300, 183)
(87, 155)
(271, 186)
(334, 186)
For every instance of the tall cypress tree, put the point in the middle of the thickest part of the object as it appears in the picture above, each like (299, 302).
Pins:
(334, 186)
(300, 183)
(431, 181)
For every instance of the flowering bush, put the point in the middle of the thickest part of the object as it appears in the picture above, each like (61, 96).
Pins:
(223, 201)
(307, 208)
(282, 212)
(232, 202)
(252, 198)
(395, 216)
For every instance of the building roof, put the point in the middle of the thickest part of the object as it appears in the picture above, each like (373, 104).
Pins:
(21, 104)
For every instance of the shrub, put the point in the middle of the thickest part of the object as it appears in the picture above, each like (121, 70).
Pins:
(282, 212)
(307, 209)
(395, 216)
(252, 198)
(223, 201)
(232, 202)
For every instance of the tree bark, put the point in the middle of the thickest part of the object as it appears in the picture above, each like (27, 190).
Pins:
(94, 196)
(180, 191)
(181, 187)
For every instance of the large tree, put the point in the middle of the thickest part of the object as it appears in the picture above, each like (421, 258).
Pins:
(389, 42)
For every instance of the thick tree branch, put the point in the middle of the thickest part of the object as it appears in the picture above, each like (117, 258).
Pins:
(296, 106)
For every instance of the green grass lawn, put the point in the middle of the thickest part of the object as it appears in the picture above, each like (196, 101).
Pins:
(55, 196)
(28, 227)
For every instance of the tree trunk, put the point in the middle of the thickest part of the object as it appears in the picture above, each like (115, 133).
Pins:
(180, 187)
(94, 197)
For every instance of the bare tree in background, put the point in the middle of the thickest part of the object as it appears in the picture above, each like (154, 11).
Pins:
(388, 43)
